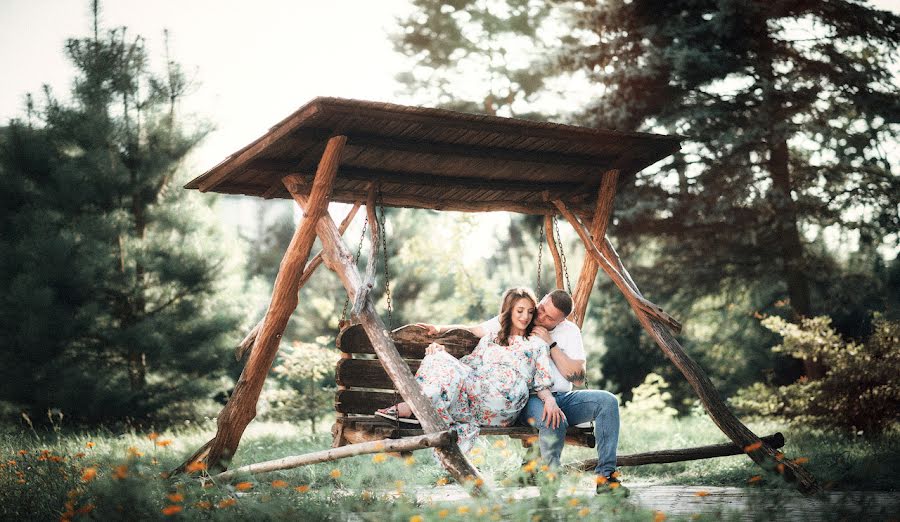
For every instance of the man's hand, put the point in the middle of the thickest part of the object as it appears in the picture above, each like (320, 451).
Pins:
(434, 348)
(552, 415)
(542, 332)
(430, 329)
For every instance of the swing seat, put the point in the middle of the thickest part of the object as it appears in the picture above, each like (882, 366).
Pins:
(364, 386)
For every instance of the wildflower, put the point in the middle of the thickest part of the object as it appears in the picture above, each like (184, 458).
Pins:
(753, 447)
(441, 481)
(243, 486)
(335, 473)
(228, 502)
(475, 451)
(378, 458)
(583, 512)
(574, 502)
(416, 518)
(11, 462)
(801, 460)
(56, 458)
(501, 443)
(754, 479)
(530, 467)
(79, 455)
(23, 452)
(85, 509)
(366, 495)
(164, 442)
(443, 513)
(203, 504)
(544, 468)
(779, 455)
(171, 510)
(779, 467)
(600, 479)
(482, 511)
(614, 485)
(409, 461)
(175, 497)
(89, 445)
(88, 474)
(462, 510)
(477, 461)
(195, 466)
(154, 461)
(551, 476)
(279, 484)
(399, 485)
(120, 472)
(658, 516)
(701, 494)
(153, 436)
(134, 452)
(531, 440)
(302, 489)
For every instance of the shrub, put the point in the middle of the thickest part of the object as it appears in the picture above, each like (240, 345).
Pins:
(305, 379)
(860, 390)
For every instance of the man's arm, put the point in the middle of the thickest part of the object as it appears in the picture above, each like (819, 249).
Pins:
(572, 369)
(434, 329)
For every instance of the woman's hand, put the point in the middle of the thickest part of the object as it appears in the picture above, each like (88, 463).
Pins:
(552, 415)
(434, 348)
(430, 329)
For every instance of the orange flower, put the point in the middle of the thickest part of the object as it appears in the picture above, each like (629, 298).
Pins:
(89, 445)
(409, 461)
(171, 510)
(443, 513)
(85, 509)
(88, 474)
(416, 518)
(754, 479)
(442, 481)
(600, 479)
(79, 455)
(243, 486)
(779, 467)
(279, 484)
(530, 467)
(203, 504)
(23, 452)
(583, 512)
(753, 447)
(801, 460)
(120, 472)
(614, 485)
(779, 455)
(228, 502)
(701, 494)
(164, 442)
(379, 458)
(175, 497)
(302, 489)
(658, 516)
(133, 452)
(153, 436)
(195, 466)
(335, 473)
(574, 501)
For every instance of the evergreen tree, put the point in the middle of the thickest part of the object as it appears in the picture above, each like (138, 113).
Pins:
(787, 108)
(114, 305)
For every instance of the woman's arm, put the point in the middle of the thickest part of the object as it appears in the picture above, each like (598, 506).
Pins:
(434, 329)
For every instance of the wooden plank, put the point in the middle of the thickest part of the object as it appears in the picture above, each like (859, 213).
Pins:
(605, 197)
(366, 373)
(364, 401)
(411, 341)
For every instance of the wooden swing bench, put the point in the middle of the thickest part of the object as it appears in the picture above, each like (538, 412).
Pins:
(364, 386)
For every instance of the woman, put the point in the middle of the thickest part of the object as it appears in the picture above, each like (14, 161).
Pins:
(489, 386)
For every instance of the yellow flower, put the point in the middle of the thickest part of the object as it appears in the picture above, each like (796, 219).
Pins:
(583, 512)
(416, 518)
(530, 467)
(443, 513)
(501, 443)
(279, 484)
(378, 458)
(228, 502)
(302, 488)
(171, 510)
(574, 502)
(175, 497)
(477, 461)
(243, 486)
(462, 510)
(335, 473)
(88, 474)
(409, 461)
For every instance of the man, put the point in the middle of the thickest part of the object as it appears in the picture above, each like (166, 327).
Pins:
(567, 368)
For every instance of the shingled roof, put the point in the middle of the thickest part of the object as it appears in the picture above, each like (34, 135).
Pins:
(436, 158)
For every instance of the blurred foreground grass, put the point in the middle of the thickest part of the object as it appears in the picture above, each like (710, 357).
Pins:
(121, 476)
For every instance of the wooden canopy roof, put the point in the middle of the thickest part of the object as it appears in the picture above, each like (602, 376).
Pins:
(436, 158)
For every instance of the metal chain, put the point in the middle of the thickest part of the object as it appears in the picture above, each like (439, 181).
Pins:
(362, 238)
(562, 254)
(387, 274)
(540, 254)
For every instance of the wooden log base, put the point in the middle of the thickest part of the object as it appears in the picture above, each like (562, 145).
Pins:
(429, 440)
(677, 455)
(368, 428)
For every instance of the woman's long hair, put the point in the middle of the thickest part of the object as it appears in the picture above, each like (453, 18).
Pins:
(506, 305)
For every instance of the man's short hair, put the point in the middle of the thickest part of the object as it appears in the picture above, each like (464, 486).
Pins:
(562, 301)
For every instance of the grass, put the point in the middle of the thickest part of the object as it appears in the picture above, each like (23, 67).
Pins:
(117, 476)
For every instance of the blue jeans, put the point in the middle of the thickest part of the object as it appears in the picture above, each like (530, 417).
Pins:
(579, 406)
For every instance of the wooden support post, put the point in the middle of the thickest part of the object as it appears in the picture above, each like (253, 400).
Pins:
(606, 194)
(338, 256)
(654, 321)
(247, 343)
(428, 440)
(241, 407)
(677, 455)
(554, 251)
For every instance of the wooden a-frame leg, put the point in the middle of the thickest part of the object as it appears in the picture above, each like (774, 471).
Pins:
(241, 407)
(554, 250)
(654, 324)
(339, 259)
(602, 214)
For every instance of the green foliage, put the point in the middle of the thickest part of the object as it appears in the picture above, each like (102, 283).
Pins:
(650, 400)
(114, 278)
(861, 390)
(305, 375)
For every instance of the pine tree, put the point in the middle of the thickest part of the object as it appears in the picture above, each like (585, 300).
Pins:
(114, 305)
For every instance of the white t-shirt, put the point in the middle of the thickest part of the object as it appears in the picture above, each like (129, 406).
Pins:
(568, 339)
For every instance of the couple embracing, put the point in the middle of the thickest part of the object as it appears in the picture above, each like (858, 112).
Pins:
(522, 370)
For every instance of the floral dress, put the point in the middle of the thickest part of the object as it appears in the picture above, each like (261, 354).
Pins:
(487, 387)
